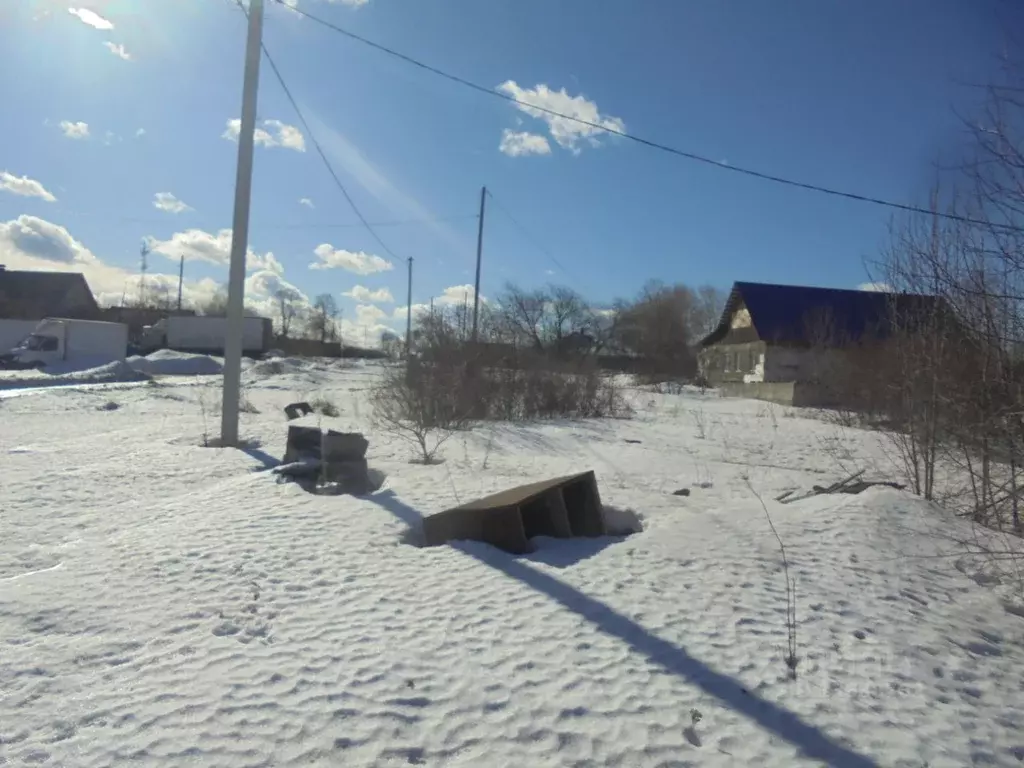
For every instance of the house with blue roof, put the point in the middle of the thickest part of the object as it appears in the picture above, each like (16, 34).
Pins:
(779, 342)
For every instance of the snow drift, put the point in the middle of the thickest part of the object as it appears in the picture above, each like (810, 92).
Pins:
(166, 362)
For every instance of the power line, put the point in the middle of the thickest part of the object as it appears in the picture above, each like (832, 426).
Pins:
(263, 226)
(319, 149)
(528, 234)
(640, 140)
(400, 223)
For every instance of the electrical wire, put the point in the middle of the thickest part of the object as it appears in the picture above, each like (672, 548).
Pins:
(639, 139)
(292, 226)
(528, 234)
(316, 144)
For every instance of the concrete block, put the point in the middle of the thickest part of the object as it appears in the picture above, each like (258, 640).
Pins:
(303, 443)
(561, 507)
(343, 446)
(295, 410)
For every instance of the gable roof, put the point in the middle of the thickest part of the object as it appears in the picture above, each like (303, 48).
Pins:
(39, 294)
(788, 313)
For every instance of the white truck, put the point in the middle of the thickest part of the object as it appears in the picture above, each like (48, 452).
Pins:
(204, 335)
(59, 340)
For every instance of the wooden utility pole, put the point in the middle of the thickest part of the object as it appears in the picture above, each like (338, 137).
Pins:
(408, 317)
(479, 253)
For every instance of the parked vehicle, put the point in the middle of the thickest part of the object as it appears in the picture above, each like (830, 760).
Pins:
(204, 335)
(82, 343)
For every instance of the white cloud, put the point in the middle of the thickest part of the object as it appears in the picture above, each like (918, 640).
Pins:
(351, 3)
(140, 133)
(266, 284)
(274, 133)
(266, 262)
(306, 202)
(199, 245)
(368, 314)
(118, 50)
(91, 18)
(352, 261)
(455, 295)
(24, 186)
(876, 287)
(519, 143)
(78, 130)
(40, 239)
(165, 201)
(32, 243)
(362, 293)
(567, 133)
(110, 137)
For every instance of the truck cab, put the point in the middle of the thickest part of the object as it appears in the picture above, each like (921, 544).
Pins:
(63, 340)
(152, 337)
(45, 345)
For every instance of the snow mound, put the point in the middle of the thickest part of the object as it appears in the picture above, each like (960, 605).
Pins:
(116, 372)
(277, 366)
(166, 362)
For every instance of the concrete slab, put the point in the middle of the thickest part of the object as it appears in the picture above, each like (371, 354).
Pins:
(561, 507)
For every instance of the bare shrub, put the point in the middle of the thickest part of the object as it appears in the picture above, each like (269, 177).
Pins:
(791, 657)
(245, 404)
(503, 382)
(324, 406)
(700, 422)
(420, 403)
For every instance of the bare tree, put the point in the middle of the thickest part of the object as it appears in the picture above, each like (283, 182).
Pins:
(555, 320)
(522, 315)
(321, 319)
(708, 305)
(957, 381)
(654, 327)
(391, 344)
(287, 307)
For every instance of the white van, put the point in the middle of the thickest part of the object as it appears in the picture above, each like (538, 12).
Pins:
(82, 343)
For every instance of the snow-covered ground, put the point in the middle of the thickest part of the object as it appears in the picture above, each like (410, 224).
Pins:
(165, 604)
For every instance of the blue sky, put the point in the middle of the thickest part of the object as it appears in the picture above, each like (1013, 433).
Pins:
(110, 103)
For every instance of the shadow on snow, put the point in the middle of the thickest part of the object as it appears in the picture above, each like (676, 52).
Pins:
(772, 717)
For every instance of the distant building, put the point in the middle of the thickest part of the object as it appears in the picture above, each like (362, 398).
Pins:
(775, 342)
(35, 295)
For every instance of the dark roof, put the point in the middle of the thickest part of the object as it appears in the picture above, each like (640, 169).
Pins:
(39, 294)
(795, 313)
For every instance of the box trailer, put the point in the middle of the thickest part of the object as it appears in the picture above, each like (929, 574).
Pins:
(82, 343)
(205, 335)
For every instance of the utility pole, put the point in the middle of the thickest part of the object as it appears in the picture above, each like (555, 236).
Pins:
(240, 229)
(408, 317)
(181, 279)
(479, 253)
(143, 267)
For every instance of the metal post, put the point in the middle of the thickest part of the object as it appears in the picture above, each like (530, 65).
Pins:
(479, 253)
(181, 279)
(240, 230)
(408, 308)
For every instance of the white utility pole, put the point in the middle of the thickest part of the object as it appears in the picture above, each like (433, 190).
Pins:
(240, 229)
